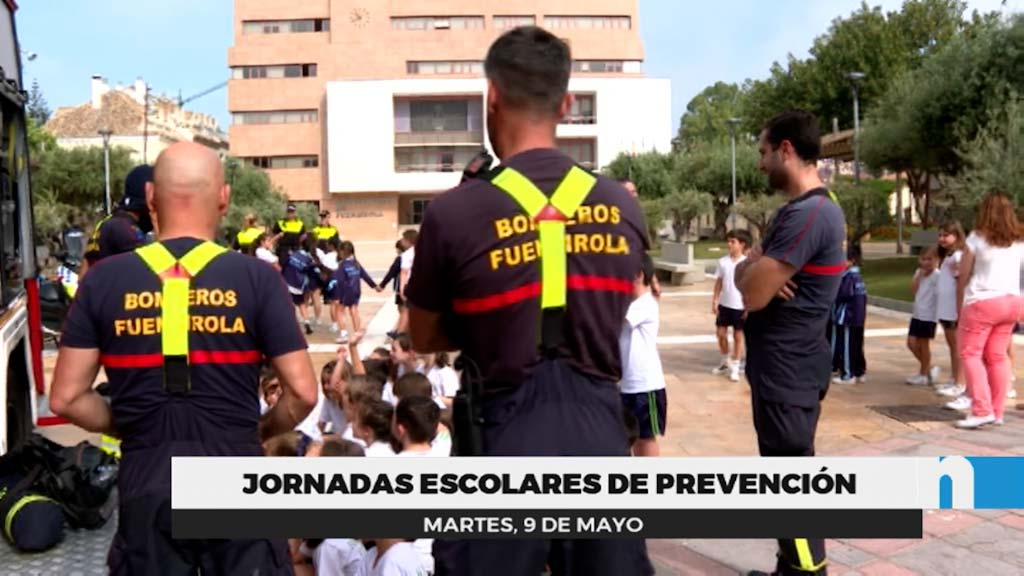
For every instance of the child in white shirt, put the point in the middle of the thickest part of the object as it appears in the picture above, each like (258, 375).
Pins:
(727, 304)
(444, 380)
(924, 318)
(643, 383)
(392, 557)
(372, 425)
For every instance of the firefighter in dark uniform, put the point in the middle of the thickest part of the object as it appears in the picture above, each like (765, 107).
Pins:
(325, 231)
(181, 327)
(126, 227)
(789, 284)
(541, 331)
(288, 233)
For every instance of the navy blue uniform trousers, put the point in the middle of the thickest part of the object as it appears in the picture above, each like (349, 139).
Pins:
(556, 412)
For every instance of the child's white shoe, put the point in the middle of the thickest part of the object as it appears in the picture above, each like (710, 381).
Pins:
(976, 421)
(962, 403)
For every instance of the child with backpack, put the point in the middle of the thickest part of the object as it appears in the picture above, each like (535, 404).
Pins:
(848, 316)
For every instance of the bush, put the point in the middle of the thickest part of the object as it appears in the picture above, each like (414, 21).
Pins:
(887, 233)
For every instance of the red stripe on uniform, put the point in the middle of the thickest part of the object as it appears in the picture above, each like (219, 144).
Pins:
(225, 357)
(824, 270)
(532, 290)
(499, 300)
(132, 360)
(51, 421)
(194, 357)
(599, 284)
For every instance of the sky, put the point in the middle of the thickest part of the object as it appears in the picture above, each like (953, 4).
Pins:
(181, 45)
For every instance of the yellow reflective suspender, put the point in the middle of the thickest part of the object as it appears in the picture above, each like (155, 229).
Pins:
(290, 226)
(110, 445)
(176, 276)
(94, 238)
(550, 216)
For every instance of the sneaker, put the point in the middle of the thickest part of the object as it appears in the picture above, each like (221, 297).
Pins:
(918, 380)
(951, 390)
(1011, 393)
(976, 421)
(334, 328)
(723, 368)
(841, 380)
(997, 422)
(861, 379)
(734, 373)
(962, 403)
(935, 372)
(309, 329)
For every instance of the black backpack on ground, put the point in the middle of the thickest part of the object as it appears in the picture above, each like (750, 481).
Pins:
(31, 521)
(80, 478)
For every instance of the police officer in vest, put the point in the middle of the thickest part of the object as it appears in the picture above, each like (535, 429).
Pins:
(181, 327)
(125, 229)
(541, 331)
(248, 234)
(288, 233)
(325, 231)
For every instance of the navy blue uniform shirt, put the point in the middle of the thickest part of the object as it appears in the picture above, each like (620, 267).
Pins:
(788, 358)
(240, 313)
(477, 263)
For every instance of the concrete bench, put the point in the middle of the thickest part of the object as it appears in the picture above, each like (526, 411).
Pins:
(922, 238)
(677, 274)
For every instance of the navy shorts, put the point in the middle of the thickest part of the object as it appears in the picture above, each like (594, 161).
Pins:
(349, 299)
(948, 324)
(730, 318)
(650, 409)
(922, 329)
(298, 299)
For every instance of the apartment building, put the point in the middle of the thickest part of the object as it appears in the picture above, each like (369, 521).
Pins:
(370, 109)
(137, 119)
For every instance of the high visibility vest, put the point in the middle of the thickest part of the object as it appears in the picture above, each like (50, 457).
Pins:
(249, 235)
(290, 226)
(550, 214)
(325, 232)
(110, 445)
(176, 278)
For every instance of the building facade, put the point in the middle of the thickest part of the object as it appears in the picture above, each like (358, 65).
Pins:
(370, 109)
(138, 120)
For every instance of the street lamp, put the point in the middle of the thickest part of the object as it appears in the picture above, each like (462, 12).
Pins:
(106, 133)
(733, 123)
(30, 56)
(855, 79)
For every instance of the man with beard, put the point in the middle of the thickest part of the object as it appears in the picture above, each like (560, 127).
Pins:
(788, 286)
(126, 228)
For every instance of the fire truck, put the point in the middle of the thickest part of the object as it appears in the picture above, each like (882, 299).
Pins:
(21, 336)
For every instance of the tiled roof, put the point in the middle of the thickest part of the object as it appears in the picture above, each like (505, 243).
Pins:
(120, 113)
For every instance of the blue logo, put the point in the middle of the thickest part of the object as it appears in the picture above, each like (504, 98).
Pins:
(980, 482)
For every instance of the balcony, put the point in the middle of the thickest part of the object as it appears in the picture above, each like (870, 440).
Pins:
(433, 158)
(440, 137)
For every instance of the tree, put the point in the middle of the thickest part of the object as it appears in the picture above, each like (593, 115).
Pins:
(865, 205)
(654, 215)
(707, 167)
(40, 140)
(251, 193)
(685, 206)
(758, 210)
(37, 107)
(993, 162)
(707, 114)
(75, 176)
(651, 172)
(924, 119)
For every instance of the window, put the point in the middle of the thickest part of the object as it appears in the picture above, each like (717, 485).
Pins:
(439, 116)
(419, 208)
(606, 66)
(276, 117)
(276, 71)
(276, 162)
(12, 188)
(444, 67)
(286, 26)
(509, 22)
(433, 158)
(588, 22)
(582, 111)
(437, 23)
(580, 150)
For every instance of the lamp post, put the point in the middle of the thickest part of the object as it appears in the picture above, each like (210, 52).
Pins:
(855, 79)
(733, 123)
(106, 133)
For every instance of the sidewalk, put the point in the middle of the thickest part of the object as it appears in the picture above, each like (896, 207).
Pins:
(710, 416)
